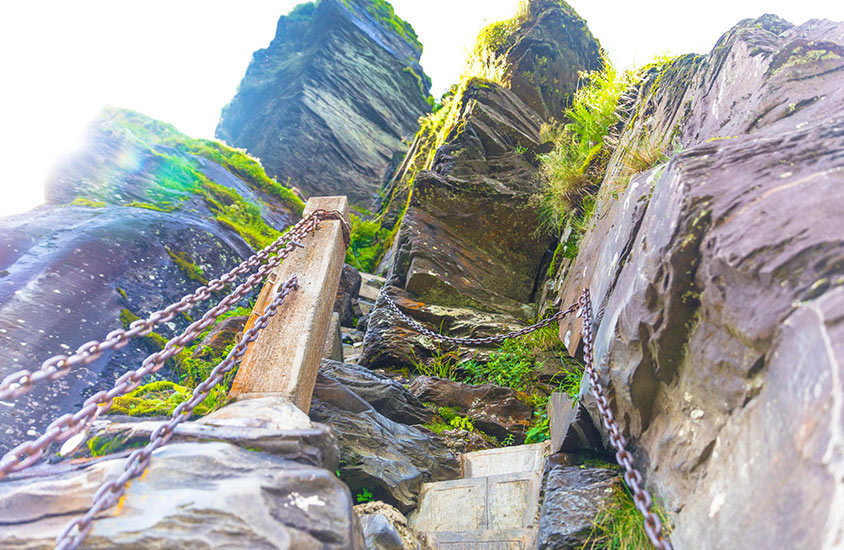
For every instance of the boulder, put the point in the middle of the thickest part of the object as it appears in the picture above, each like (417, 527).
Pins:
(716, 281)
(389, 398)
(495, 410)
(572, 498)
(571, 426)
(389, 459)
(327, 104)
(390, 342)
(385, 528)
(197, 495)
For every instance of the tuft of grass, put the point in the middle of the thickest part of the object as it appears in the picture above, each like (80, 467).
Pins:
(619, 525)
(511, 365)
(443, 364)
(581, 152)
(647, 153)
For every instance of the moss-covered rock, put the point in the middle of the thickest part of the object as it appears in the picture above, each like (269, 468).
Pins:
(161, 398)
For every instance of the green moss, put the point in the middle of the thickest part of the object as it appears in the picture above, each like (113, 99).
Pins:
(178, 175)
(90, 203)
(127, 317)
(160, 398)
(150, 206)
(186, 266)
(102, 445)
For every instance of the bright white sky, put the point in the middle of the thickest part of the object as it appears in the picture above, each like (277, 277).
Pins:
(181, 60)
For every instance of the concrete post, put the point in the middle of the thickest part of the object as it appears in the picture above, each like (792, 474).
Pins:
(284, 360)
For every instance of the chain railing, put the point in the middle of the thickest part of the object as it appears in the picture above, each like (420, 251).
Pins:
(54, 368)
(641, 497)
(110, 491)
(66, 426)
(480, 341)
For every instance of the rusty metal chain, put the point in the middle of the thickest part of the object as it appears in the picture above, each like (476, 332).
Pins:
(474, 341)
(634, 480)
(54, 368)
(66, 426)
(110, 491)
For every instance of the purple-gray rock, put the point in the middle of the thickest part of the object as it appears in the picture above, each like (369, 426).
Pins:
(717, 285)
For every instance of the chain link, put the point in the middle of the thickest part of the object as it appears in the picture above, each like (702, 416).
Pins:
(54, 368)
(68, 425)
(473, 341)
(110, 491)
(641, 497)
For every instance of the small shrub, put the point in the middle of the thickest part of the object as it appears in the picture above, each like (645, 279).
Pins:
(364, 496)
(619, 525)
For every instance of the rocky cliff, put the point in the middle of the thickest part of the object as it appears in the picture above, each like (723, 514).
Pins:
(467, 258)
(717, 281)
(327, 104)
(141, 217)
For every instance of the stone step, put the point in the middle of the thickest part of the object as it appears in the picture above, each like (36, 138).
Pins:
(510, 539)
(499, 502)
(505, 460)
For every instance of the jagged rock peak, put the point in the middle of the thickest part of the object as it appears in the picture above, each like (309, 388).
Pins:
(327, 105)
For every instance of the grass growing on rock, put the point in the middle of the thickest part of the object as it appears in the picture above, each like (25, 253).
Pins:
(581, 151)
(619, 525)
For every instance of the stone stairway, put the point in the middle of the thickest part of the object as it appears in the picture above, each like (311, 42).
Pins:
(493, 507)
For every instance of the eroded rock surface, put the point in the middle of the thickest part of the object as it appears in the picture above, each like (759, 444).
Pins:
(390, 459)
(717, 284)
(328, 102)
(572, 498)
(495, 410)
(385, 528)
(197, 495)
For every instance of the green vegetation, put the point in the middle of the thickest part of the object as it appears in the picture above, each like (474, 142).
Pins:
(82, 201)
(176, 168)
(384, 12)
(190, 366)
(580, 153)
(364, 496)
(511, 365)
(160, 398)
(369, 242)
(186, 266)
(619, 525)
(443, 364)
(102, 445)
(302, 12)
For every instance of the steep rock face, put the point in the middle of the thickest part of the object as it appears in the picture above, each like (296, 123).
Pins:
(130, 227)
(717, 285)
(469, 237)
(327, 104)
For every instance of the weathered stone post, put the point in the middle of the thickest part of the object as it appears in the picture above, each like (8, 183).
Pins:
(284, 360)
